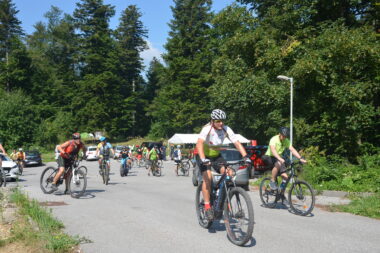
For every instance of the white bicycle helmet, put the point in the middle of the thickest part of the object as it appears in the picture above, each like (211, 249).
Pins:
(178, 146)
(218, 114)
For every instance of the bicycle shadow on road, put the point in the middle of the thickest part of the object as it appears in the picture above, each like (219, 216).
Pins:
(286, 207)
(218, 226)
(89, 194)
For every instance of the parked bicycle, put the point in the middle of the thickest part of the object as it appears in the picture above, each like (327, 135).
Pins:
(230, 202)
(77, 181)
(301, 196)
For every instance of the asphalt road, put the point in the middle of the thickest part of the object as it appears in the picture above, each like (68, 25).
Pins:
(139, 213)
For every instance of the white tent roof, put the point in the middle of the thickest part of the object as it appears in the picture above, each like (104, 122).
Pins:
(193, 138)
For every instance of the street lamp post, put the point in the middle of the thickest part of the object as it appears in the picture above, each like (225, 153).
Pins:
(285, 78)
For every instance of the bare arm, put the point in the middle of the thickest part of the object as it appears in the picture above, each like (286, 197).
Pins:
(275, 154)
(240, 148)
(296, 154)
(201, 152)
(2, 149)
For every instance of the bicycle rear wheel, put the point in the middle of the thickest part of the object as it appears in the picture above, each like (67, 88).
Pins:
(46, 179)
(78, 183)
(185, 168)
(200, 208)
(301, 198)
(267, 195)
(238, 216)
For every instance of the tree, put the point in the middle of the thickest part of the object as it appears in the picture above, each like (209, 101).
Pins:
(182, 103)
(98, 89)
(13, 68)
(130, 41)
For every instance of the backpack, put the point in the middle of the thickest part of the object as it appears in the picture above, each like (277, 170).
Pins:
(176, 153)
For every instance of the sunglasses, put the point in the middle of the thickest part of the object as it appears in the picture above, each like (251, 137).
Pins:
(218, 121)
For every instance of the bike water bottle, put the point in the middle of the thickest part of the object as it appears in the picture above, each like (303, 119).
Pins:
(282, 185)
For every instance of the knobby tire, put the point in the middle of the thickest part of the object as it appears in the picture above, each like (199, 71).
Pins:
(46, 179)
(77, 179)
(267, 195)
(299, 193)
(199, 207)
(234, 216)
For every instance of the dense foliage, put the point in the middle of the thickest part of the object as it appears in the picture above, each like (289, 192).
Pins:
(76, 73)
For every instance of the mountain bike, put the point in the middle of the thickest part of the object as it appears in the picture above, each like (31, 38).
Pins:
(20, 165)
(301, 196)
(124, 167)
(156, 169)
(104, 171)
(183, 167)
(230, 202)
(77, 181)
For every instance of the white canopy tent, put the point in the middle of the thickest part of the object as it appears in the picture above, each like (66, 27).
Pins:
(193, 138)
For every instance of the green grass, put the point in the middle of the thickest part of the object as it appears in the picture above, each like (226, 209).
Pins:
(48, 156)
(49, 231)
(364, 206)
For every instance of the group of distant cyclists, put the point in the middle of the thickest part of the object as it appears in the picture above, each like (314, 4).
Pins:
(18, 156)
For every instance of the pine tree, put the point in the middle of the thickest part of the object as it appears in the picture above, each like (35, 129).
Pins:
(98, 97)
(182, 102)
(14, 63)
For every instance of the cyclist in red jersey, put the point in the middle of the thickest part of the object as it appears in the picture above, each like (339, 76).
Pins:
(68, 152)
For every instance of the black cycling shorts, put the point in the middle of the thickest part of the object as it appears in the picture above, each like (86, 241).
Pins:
(216, 163)
(270, 162)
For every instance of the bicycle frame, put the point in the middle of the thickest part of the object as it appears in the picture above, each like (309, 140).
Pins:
(292, 176)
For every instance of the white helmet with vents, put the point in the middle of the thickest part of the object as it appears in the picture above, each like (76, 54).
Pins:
(218, 114)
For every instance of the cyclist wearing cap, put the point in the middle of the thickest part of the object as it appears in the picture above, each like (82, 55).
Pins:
(104, 150)
(68, 152)
(272, 157)
(208, 145)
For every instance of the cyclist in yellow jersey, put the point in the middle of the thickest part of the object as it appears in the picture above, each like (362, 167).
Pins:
(272, 157)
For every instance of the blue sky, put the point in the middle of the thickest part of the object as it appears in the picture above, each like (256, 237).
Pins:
(156, 15)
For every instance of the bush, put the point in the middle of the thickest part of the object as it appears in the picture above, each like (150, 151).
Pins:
(335, 173)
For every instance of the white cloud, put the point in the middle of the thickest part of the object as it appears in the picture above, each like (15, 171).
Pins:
(148, 54)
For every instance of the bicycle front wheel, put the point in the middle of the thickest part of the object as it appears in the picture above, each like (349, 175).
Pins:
(46, 179)
(107, 175)
(78, 183)
(84, 169)
(238, 216)
(200, 208)
(267, 195)
(301, 198)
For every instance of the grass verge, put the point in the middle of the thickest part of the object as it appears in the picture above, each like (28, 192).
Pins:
(36, 227)
(364, 206)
